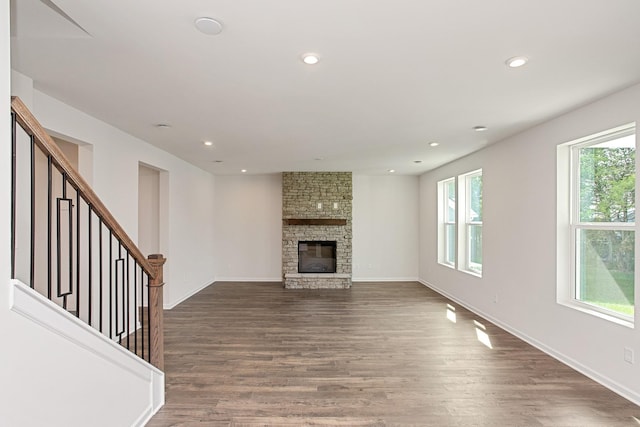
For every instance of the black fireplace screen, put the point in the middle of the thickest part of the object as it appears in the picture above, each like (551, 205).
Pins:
(316, 257)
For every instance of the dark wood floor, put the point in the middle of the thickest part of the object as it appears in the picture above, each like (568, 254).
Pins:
(380, 354)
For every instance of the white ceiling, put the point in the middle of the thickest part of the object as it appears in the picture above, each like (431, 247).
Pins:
(393, 75)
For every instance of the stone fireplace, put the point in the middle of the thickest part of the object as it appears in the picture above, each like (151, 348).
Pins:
(316, 207)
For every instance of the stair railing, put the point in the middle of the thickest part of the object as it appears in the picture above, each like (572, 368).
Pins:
(66, 245)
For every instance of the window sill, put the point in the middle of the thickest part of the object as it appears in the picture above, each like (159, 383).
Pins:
(452, 267)
(471, 272)
(596, 313)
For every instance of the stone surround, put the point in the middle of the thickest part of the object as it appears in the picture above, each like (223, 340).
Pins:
(301, 194)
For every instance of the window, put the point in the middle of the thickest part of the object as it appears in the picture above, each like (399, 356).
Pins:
(596, 224)
(602, 222)
(460, 222)
(474, 221)
(447, 222)
(471, 217)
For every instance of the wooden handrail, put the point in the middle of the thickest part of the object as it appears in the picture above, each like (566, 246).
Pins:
(46, 144)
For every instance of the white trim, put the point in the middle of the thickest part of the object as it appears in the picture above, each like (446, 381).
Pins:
(594, 310)
(248, 279)
(385, 279)
(35, 307)
(187, 296)
(569, 224)
(471, 273)
(443, 221)
(572, 363)
(466, 223)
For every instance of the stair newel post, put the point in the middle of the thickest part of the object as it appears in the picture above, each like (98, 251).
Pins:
(156, 315)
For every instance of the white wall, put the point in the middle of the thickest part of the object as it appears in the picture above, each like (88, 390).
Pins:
(248, 218)
(189, 242)
(148, 210)
(249, 227)
(39, 369)
(385, 228)
(519, 252)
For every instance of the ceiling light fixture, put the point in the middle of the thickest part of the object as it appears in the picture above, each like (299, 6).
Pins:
(417, 161)
(517, 61)
(310, 58)
(208, 26)
(162, 126)
(243, 171)
(392, 170)
(208, 143)
(480, 128)
(433, 144)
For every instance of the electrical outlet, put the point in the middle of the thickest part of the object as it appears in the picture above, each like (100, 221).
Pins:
(628, 355)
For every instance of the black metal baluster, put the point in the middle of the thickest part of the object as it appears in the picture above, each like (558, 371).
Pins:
(116, 286)
(101, 261)
(90, 266)
(14, 138)
(32, 270)
(110, 284)
(135, 306)
(77, 252)
(142, 309)
(69, 203)
(128, 300)
(49, 225)
(148, 317)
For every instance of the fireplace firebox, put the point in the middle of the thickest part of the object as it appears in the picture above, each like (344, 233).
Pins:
(316, 256)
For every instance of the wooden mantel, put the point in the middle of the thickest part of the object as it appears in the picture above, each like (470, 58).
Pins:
(315, 221)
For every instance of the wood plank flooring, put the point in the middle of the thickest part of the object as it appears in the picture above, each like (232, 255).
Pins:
(379, 354)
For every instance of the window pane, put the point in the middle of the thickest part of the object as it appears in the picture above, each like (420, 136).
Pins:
(475, 248)
(607, 181)
(450, 255)
(605, 266)
(450, 191)
(475, 198)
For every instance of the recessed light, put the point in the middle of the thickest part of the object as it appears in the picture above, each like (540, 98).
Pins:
(208, 26)
(319, 158)
(417, 161)
(310, 58)
(392, 170)
(433, 144)
(208, 143)
(517, 61)
(480, 128)
(243, 171)
(162, 125)
(217, 161)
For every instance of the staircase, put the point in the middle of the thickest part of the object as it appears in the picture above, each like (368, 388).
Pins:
(67, 246)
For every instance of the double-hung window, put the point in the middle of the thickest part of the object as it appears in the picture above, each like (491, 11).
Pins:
(447, 223)
(471, 217)
(460, 222)
(602, 222)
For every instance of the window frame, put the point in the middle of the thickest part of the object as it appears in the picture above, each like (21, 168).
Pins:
(444, 222)
(576, 225)
(465, 221)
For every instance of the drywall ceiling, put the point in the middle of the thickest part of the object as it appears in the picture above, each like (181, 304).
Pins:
(393, 76)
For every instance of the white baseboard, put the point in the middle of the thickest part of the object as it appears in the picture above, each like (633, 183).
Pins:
(384, 279)
(169, 306)
(572, 363)
(249, 279)
(35, 307)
